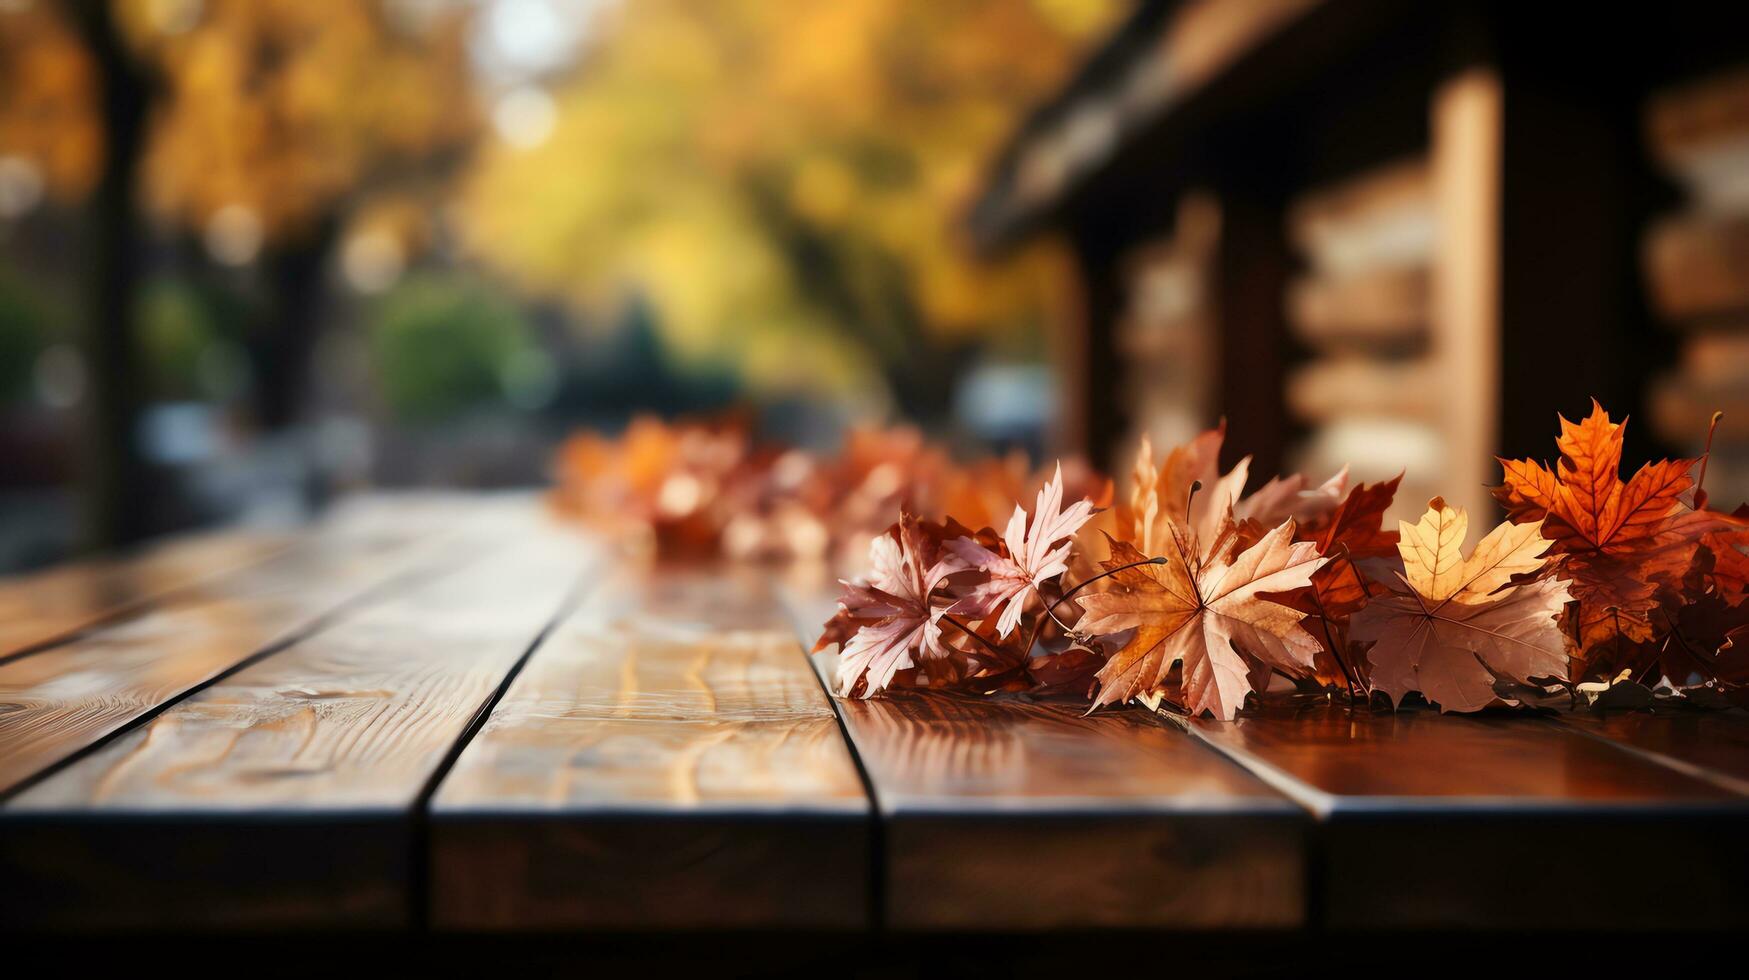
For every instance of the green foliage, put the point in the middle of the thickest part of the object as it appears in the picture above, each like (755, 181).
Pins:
(441, 346)
(177, 327)
(28, 323)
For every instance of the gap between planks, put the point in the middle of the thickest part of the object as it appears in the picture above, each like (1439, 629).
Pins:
(105, 591)
(798, 612)
(111, 712)
(1737, 781)
(663, 762)
(340, 845)
(1124, 824)
(1432, 821)
(419, 857)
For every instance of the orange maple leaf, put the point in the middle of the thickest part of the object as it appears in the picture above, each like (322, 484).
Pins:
(1206, 613)
(1729, 553)
(1622, 538)
(1160, 497)
(1461, 624)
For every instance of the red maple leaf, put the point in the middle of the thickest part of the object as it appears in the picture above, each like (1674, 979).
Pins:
(888, 623)
(1621, 538)
(1354, 535)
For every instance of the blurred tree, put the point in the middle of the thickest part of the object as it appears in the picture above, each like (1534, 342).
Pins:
(259, 126)
(279, 120)
(27, 324)
(781, 180)
(441, 347)
(187, 346)
(48, 120)
(119, 488)
(629, 371)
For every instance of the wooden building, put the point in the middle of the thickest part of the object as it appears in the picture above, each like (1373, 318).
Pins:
(1402, 234)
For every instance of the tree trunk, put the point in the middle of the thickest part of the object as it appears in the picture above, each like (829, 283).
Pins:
(282, 349)
(866, 296)
(117, 487)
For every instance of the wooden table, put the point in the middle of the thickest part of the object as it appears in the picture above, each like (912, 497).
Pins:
(454, 716)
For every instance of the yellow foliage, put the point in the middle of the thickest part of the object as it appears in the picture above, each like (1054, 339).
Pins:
(47, 90)
(773, 170)
(783, 181)
(292, 107)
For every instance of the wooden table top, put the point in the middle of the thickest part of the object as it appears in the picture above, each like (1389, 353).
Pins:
(457, 715)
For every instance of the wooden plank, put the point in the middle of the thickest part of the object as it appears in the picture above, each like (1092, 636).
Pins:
(405, 516)
(1460, 822)
(667, 760)
(285, 795)
(1709, 745)
(1006, 814)
(42, 608)
(1003, 814)
(59, 701)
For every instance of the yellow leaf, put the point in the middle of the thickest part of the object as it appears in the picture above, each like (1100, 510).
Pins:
(1432, 550)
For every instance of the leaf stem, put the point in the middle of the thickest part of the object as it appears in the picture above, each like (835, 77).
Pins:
(1366, 590)
(1038, 625)
(1160, 560)
(1348, 556)
(1707, 669)
(1051, 611)
(1705, 457)
(1051, 608)
(967, 630)
(1330, 639)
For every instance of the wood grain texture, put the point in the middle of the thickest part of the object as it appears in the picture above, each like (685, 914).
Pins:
(284, 794)
(58, 701)
(666, 760)
(1010, 814)
(41, 608)
(1709, 745)
(1467, 822)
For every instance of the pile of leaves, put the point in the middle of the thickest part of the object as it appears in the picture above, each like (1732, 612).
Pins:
(1206, 594)
(704, 488)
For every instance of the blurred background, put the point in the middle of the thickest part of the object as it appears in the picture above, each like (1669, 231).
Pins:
(256, 254)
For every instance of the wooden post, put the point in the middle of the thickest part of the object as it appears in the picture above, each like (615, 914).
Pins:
(1466, 127)
(1093, 418)
(1252, 343)
(1576, 191)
